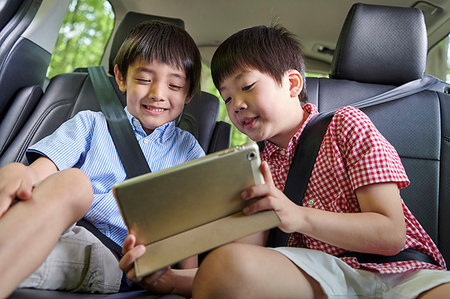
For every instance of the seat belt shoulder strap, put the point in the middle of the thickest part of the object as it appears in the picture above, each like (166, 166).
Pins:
(127, 146)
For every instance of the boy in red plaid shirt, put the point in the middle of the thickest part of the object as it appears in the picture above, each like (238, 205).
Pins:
(352, 202)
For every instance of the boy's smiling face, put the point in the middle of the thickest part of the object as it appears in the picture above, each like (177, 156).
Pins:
(260, 107)
(156, 92)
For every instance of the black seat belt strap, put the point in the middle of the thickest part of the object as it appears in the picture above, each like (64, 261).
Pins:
(301, 168)
(127, 146)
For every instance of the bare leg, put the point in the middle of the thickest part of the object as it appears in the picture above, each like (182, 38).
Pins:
(441, 291)
(30, 229)
(241, 270)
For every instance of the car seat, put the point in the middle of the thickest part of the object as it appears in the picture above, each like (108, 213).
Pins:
(380, 48)
(23, 62)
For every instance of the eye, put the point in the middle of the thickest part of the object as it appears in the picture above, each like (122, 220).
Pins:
(176, 87)
(140, 80)
(247, 87)
(227, 100)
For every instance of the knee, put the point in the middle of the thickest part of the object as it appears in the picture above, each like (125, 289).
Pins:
(72, 188)
(80, 190)
(225, 272)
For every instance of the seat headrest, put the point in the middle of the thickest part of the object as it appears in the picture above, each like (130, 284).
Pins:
(382, 45)
(130, 20)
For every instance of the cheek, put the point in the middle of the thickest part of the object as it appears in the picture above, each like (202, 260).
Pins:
(231, 114)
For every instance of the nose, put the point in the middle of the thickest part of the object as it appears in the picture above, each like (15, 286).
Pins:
(239, 104)
(156, 91)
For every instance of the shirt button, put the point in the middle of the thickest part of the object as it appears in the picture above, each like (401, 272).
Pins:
(135, 122)
(91, 219)
(283, 152)
(310, 202)
(146, 141)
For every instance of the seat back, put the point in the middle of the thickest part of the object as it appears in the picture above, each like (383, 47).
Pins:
(22, 62)
(24, 58)
(69, 93)
(380, 48)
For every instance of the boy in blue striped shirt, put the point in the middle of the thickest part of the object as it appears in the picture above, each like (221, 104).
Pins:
(73, 170)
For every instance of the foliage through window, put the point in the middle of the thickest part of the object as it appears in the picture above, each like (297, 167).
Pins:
(438, 60)
(85, 31)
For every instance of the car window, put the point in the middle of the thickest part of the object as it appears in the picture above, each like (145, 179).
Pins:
(83, 36)
(438, 60)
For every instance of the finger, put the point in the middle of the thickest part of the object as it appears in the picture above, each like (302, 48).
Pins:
(131, 275)
(256, 191)
(6, 198)
(126, 263)
(263, 204)
(128, 243)
(5, 202)
(267, 175)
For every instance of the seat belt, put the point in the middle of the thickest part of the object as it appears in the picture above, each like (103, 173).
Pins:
(301, 168)
(309, 145)
(127, 146)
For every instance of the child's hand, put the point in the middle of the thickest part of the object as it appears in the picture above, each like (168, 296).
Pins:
(15, 183)
(161, 281)
(272, 199)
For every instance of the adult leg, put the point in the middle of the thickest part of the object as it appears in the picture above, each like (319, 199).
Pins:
(240, 270)
(30, 229)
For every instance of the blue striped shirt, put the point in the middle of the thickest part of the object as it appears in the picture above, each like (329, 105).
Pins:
(84, 142)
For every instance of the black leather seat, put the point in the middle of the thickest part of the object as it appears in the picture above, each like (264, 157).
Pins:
(380, 48)
(23, 65)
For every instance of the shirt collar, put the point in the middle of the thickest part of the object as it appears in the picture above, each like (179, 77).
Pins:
(163, 133)
(270, 148)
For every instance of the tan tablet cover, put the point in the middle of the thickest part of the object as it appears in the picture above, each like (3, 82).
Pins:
(192, 207)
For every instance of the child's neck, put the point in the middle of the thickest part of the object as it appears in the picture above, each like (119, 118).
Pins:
(283, 139)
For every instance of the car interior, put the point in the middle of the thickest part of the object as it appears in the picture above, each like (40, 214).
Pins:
(364, 50)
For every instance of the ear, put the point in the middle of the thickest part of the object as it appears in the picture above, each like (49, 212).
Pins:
(121, 82)
(188, 100)
(295, 83)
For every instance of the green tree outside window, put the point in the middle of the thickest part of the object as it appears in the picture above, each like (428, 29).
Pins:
(85, 31)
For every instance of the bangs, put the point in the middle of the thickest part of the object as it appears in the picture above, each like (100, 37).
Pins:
(166, 43)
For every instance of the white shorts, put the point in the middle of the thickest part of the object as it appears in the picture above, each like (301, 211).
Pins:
(78, 263)
(339, 280)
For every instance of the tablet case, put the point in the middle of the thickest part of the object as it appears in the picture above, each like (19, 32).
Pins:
(193, 207)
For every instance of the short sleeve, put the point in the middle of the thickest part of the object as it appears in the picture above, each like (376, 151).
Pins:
(368, 156)
(68, 145)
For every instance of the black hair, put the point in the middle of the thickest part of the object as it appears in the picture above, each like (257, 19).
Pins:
(272, 50)
(165, 42)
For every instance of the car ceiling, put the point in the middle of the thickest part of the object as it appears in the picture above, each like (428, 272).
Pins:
(316, 22)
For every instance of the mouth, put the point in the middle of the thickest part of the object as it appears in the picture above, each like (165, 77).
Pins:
(153, 109)
(248, 122)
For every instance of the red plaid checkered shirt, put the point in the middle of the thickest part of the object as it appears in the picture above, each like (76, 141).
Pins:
(353, 154)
